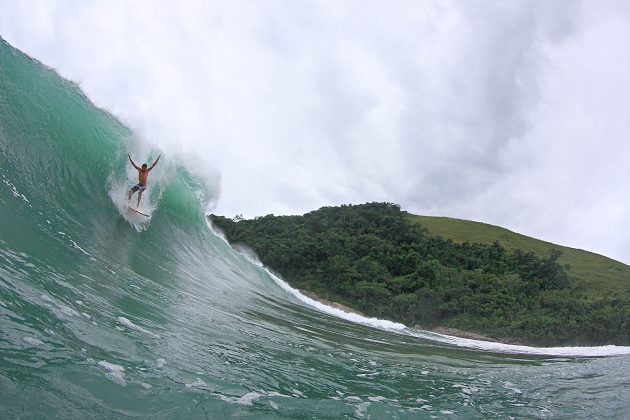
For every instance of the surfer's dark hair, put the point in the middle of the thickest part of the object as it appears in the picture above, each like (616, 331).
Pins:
(144, 165)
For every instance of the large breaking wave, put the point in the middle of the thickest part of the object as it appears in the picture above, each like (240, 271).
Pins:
(106, 313)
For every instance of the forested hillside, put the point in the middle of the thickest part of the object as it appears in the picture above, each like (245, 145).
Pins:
(588, 269)
(375, 258)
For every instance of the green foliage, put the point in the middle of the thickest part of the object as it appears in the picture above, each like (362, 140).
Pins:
(373, 258)
(594, 272)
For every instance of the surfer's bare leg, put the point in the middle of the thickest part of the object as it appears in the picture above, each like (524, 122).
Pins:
(130, 194)
(139, 198)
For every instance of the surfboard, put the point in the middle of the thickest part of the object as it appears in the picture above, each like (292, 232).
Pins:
(138, 211)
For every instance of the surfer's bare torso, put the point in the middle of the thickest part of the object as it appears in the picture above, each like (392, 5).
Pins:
(142, 176)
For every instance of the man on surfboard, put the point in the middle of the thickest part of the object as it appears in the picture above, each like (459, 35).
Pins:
(143, 173)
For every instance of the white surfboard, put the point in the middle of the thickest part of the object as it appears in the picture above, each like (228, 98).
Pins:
(138, 211)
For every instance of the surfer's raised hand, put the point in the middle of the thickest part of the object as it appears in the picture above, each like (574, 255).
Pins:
(156, 161)
(132, 162)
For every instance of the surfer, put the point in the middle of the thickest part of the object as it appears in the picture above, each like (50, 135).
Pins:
(143, 173)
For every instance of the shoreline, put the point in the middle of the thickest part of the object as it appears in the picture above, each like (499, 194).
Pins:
(454, 332)
(330, 303)
(471, 335)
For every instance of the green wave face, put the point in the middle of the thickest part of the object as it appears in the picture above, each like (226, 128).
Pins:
(105, 314)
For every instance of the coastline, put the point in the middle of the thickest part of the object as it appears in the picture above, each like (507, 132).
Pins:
(463, 334)
(330, 303)
(437, 329)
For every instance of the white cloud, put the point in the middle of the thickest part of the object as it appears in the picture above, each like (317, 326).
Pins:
(513, 113)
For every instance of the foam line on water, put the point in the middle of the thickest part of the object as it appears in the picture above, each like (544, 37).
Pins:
(352, 317)
(596, 351)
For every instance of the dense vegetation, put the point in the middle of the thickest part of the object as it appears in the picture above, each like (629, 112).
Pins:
(373, 258)
(595, 272)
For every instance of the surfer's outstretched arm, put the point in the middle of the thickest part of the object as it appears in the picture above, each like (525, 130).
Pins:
(132, 162)
(156, 161)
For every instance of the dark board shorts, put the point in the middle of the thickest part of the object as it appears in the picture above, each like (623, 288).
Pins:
(138, 187)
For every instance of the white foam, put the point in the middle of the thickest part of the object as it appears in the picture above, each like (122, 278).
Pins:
(111, 366)
(47, 298)
(14, 190)
(274, 405)
(114, 372)
(75, 245)
(468, 390)
(116, 378)
(2, 304)
(247, 399)
(68, 311)
(362, 408)
(198, 384)
(161, 363)
(597, 351)
(124, 321)
(277, 394)
(32, 341)
(512, 387)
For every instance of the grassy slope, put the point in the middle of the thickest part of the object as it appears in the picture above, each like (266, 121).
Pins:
(598, 274)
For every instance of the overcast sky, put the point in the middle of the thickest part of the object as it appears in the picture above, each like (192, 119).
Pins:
(515, 113)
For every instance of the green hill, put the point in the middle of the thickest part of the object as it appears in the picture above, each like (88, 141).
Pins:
(441, 272)
(595, 272)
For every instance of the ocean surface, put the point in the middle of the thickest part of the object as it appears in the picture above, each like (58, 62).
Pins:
(107, 314)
